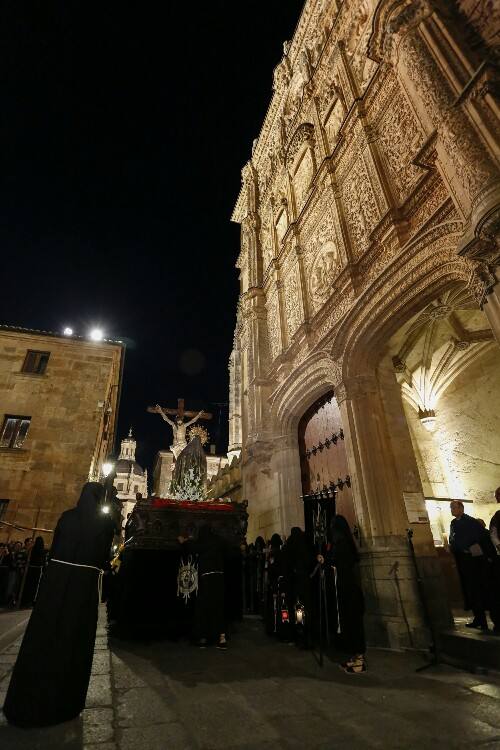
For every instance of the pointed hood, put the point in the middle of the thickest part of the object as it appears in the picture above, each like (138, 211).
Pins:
(90, 497)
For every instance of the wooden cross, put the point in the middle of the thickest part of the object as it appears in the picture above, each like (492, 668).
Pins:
(180, 412)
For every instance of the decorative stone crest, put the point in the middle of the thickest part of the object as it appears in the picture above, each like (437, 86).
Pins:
(303, 133)
(323, 271)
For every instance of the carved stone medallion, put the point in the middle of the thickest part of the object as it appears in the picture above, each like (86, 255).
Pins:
(323, 272)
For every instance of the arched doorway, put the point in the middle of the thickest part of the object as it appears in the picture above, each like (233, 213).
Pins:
(323, 457)
(447, 366)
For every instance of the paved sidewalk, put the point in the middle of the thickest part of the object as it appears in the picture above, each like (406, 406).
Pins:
(262, 695)
(12, 624)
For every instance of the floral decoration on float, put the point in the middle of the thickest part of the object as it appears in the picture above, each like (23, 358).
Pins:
(221, 503)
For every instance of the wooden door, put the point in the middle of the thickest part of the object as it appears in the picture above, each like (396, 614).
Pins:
(323, 456)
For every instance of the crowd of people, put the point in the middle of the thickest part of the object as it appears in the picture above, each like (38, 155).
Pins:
(21, 567)
(309, 595)
(305, 594)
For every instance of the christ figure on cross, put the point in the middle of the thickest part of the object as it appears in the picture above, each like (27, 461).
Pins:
(178, 425)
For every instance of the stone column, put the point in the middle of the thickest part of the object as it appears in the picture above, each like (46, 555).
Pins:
(382, 468)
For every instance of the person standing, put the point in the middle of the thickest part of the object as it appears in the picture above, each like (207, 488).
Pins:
(274, 575)
(36, 562)
(466, 535)
(297, 557)
(51, 675)
(343, 557)
(495, 531)
(4, 572)
(210, 614)
(495, 569)
(16, 568)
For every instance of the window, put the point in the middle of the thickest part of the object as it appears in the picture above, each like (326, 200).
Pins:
(14, 431)
(136, 488)
(3, 507)
(119, 486)
(35, 362)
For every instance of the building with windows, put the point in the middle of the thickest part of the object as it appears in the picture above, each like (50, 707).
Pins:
(366, 364)
(130, 478)
(59, 398)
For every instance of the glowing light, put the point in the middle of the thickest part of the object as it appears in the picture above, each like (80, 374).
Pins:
(429, 423)
(427, 419)
(107, 468)
(96, 334)
(105, 508)
(68, 331)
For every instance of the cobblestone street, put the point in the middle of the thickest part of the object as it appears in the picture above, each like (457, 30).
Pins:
(260, 694)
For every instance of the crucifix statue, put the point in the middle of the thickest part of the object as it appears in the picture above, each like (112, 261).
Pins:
(178, 425)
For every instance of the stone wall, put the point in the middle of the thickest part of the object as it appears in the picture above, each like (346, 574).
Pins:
(73, 410)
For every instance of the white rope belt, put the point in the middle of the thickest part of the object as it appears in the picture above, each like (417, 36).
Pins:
(92, 567)
(212, 573)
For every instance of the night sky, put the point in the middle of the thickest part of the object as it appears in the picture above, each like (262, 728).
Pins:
(122, 134)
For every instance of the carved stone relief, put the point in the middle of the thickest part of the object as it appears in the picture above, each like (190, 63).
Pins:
(357, 42)
(323, 271)
(321, 255)
(302, 135)
(400, 139)
(273, 323)
(302, 178)
(291, 296)
(333, 122)
(281, 225)
(465, 154)
(293, 101)
(360, 205)
(266, 238)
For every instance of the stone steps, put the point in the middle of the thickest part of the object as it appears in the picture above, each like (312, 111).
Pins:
(470, 650)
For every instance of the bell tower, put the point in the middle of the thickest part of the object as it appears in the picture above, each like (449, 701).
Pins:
(128, 447)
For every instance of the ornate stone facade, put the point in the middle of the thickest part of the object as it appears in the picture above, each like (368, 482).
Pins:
(373, 189)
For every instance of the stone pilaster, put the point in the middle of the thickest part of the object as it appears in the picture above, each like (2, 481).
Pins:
(382, 467)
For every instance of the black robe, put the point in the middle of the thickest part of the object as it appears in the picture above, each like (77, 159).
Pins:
(52, 672)
(350, 603)
(210, 619)
(297, 560)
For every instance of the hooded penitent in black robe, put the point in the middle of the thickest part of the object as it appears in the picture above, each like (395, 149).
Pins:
(210, 609)
(273, 618)
(298, 559)
(350, 601)
(52, 672)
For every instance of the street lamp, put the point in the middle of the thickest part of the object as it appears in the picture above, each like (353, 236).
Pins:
(96, 334)
(107, 468)
(68, 331)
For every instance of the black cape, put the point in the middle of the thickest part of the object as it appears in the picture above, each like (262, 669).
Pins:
(52, 672)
